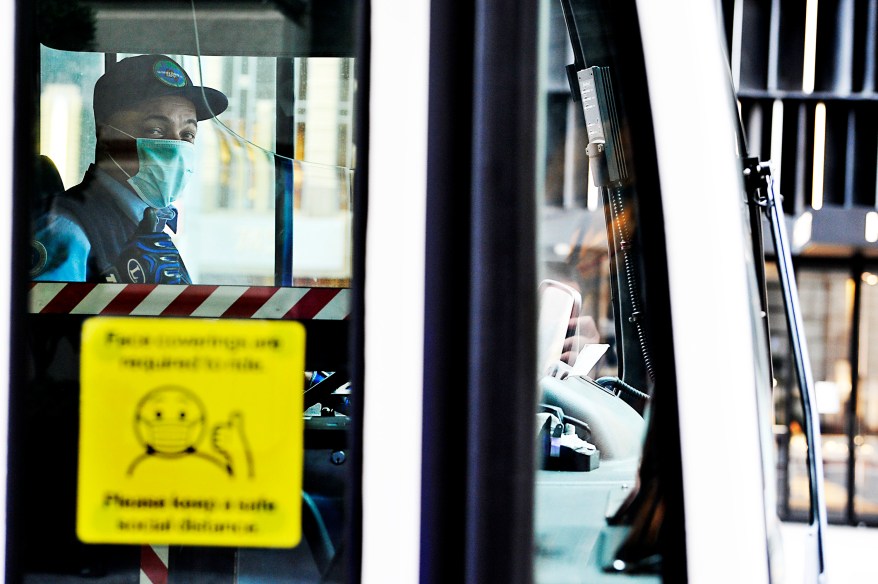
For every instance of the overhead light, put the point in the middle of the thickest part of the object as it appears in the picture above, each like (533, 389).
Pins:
(871, 227)
(810, 52)
(776, 142)
(870, 278)
(802, 230)
(819, 155)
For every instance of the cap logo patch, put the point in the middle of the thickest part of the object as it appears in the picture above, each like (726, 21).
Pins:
(169, 73)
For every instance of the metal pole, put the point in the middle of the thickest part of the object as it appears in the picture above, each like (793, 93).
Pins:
(851, 421)
(802, 364)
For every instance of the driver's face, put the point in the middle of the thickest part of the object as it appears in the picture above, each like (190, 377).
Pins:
(163, 118)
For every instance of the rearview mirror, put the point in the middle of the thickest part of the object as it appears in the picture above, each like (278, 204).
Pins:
(559, 306)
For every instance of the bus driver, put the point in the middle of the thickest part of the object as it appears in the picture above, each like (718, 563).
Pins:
(110, 227)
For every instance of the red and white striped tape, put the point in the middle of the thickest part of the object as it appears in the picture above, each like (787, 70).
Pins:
(154, 564)
(196, 301)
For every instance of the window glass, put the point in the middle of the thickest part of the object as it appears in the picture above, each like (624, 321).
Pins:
(261, 226)
(597, 397)
(269, 201)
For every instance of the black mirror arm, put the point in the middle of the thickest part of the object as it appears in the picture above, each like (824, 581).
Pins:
(796, 327)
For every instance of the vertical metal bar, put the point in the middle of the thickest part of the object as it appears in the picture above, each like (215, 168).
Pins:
(803, 370)
(19, 111)
(500, 464)
(851, 422)
(354, 495)
(449, 177)
(283, 168)
(283, 215)
(757, 239)
(788, 413)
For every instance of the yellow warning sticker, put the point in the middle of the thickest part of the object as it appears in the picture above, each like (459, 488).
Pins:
(191, 432)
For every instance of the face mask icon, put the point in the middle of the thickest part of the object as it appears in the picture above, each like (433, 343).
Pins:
(165, 169)
(169, 421)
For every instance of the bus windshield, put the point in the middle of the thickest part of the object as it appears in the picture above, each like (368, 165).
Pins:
(267, 198)
(190, 160)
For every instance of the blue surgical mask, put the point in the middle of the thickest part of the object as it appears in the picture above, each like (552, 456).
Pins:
(165, 168)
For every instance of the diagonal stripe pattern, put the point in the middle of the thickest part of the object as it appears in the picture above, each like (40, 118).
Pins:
(153, 564)
(198, 301)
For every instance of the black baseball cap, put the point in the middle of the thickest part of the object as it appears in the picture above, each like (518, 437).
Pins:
(136, 79)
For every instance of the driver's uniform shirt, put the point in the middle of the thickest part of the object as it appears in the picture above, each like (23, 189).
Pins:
(82, 235)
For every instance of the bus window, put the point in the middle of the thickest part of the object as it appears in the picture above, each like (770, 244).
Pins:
(609, 503)
(211, 180)
(267, 200)
(608, 500)
(602, 461)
